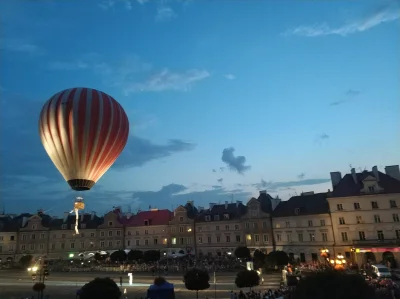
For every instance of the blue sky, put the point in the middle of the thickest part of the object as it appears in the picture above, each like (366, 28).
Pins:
(225, 97)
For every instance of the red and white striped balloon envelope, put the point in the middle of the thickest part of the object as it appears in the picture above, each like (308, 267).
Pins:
(83, 131)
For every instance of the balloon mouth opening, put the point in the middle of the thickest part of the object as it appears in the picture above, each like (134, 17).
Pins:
(80, 184)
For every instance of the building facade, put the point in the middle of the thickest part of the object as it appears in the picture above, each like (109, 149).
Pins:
(302, 226)
(365, 210)
(181, 231)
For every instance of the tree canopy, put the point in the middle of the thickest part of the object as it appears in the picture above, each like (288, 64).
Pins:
(333, 285)
(242, 252)
(259, 259)
(100, 257)
(196, 280)
(151, 255)
(100, 288)
(277, 258)
(118, 256)
(247, 279)
(25, 260)
(135, 255)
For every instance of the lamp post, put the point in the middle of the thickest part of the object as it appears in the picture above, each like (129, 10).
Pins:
(324, 252)
(338, 263)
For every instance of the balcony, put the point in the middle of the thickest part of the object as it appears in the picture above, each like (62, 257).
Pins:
(377, 242)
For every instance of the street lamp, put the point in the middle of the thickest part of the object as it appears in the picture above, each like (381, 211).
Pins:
(339, 262)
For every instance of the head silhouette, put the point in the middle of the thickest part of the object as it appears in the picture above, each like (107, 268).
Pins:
(100, 288)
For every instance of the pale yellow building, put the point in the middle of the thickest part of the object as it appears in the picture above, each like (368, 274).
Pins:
(110, 234)
(8, 238)
(302, 226)
(181, 231)
(365, 209)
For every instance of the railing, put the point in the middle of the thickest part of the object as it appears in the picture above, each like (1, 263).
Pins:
(377, 242)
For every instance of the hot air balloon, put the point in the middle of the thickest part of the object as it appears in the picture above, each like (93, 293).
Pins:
(83, 131)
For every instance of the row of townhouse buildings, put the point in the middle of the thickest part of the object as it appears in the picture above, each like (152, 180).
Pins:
(360, 214)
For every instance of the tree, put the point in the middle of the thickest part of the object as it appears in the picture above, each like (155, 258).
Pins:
(100, 257)
(259, 259)
(247, 279)
(39, 288)
(277, 258)
(388, 256)
(118, 256)
(135, 255)
(242, 252)
(100, 288)
(151, 255)
(25, 261)
(333, 285)
(196, 280)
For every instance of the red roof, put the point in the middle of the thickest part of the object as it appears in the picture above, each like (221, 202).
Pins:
(154, 217)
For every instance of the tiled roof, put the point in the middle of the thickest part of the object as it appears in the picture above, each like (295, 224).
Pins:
(8, 224)
(265, 201)
(155, 217)
(306, 204)
(56, 223)
(347, 186)
(234, 210)
(191, 210)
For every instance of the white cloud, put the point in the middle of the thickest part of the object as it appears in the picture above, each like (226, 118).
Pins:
(383, 15)
(68, 66)
(164, 14)
(110, 4)
(20, 46)
(167, 80)
(230, 76)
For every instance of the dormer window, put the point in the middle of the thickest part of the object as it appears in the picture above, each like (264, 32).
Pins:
(83, 225)
(64, 226)
(181, 219)
(110, 223)
(207, 218)
(33, 226)
(226, 216)
(296, 211)
(371, 189)
(374, 205)
(216, 217)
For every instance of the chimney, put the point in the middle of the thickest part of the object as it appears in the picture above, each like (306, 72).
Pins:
(226, 205)
(66, 216)
(24, 221)
(191, 202)
(263, 192)
(238, 202)
(336, 177)
(376, 172)
(393, 171)
(212, 205)
(354, 175)
(92, 216)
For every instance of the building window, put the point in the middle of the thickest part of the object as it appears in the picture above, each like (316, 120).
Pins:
(374, 204)
(207, 218)
(146, 232)
(64, 226)
(33, 237)
(237, 238)
(278, 237)
(253, 213)
(41, 236)
(23, 237)
(110, 244)
(255, 225)
(310, 223)
(181, 229)
(237, 227)
(228, 239)
(83, 225)
(226, 216)
(82, 245)
(300, 237)
(396, 217)
(63, 236)
(200, 240)
(155, 241)
(92, 235)
(102, 244)
(181, 219)
(296, 211)
(371, 188)
(146, 242)
(118, 233)
(173, 241)
(312, 237)
(209, 239)
(322, 222)
(62, 245)
(264, 225)
(53, 246)
(257, 238)
(218, 239)
(377, 218)
(341, 220)
(101, 234)
(118, 243)
(287, 223)
(110, 233)
(344, 237)
(137, 242)
(188, 240)
(23, 247)
(361, 236)
(146, 222)
(216, 217)
(359, 219)
(248, 237)
(357, 206)
(393, 204)
(278, 225)
(381, 237)
(110, 223)
(226, 227)
(128, 243)
(288, 237)
(324, 237)
(32, 247)
(398, 234)
(247, 225)
(339, 207)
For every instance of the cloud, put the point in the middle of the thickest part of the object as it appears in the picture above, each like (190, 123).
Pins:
(234, 163)
(230, 77)
(220, 180)
(275, 186)
(301, 176)
(22, 153)
(21, 46)
(350, 95)
(165, 13)
(167, 80)
(127, 74)
(214, 170)
(384, 14)
(110, 4)
(322, 137)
